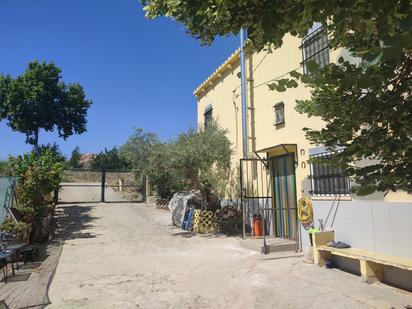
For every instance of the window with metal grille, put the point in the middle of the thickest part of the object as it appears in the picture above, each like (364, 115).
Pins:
(208, 116)
(327, 179)
(315, 47)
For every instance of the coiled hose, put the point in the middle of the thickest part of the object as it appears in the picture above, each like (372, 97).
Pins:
(305, 211)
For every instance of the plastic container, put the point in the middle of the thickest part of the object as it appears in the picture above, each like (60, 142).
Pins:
(257, 225)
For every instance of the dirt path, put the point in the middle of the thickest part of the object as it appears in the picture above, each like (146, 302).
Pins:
(129, 256)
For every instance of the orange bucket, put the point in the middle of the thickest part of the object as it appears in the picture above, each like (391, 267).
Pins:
(257, 225)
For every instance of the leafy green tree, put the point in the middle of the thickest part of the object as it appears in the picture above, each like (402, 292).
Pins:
(74, 161)
(196, 160)
(110, 160)
(269, 21)
(368, 117)
(203, 159)
(162, 171)
(138, 150)
(150, 157)
(4, 86)
(5, 169)
(367, 108)
(39, 99)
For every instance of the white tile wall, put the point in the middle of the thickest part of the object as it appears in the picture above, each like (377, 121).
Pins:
(384, 227)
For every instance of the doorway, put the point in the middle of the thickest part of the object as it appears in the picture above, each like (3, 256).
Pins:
(284, 196)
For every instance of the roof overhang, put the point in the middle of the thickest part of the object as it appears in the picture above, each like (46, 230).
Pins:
(230, 62)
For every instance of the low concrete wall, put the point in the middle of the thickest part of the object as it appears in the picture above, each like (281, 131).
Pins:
(373, 225)
(379, 226)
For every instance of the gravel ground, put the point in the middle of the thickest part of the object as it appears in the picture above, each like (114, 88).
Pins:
(129, 256)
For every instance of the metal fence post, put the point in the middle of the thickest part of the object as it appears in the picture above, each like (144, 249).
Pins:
(265, 246)
(144, 188)
(103, 185)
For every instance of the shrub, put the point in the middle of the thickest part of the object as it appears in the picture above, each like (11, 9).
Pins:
(11, 226)
(196, 160)
(162, 172)
(39, 177)
(5, 169)
(203, 160)
(149, 156)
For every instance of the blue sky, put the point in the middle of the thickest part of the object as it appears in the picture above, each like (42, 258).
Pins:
(139, 73)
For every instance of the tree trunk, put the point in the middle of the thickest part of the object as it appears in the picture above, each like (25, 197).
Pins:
(204, 199)
(36, 143)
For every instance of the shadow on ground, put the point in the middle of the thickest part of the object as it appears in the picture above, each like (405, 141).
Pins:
(29, 287)
(72, 222)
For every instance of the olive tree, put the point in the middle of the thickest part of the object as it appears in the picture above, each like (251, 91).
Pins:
(203, 159)
(195, 160)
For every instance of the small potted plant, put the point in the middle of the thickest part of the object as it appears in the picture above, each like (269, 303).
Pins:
(18, 229)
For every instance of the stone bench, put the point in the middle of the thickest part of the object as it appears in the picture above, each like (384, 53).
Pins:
(371, 263)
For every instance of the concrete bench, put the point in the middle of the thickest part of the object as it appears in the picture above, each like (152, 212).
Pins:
(371, 263)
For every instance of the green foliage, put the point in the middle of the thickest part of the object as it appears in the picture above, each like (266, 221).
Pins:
(194, 161)
(203, 159)
(367, 110)
(5, 169)
(54, 151)
(162, 171)
(367, 107)
(40, 175)
(110, 160)
(4, 86)
(39, 99)
(368, 113)
(267, 22)
(148, 156)
(74, 161)
(139, 149)
(11, 226)
(153, 158)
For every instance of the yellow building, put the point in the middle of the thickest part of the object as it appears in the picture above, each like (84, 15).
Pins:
(277, 173)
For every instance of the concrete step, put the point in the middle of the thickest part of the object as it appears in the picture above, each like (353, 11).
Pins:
(273, 244)
(284, 245)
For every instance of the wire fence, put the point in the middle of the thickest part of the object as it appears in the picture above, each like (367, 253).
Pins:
(6, 187)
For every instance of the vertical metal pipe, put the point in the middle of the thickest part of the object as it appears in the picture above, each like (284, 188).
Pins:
(265, 247)
(103, 184)
(243, 37)
(144, 179)
(241, 200)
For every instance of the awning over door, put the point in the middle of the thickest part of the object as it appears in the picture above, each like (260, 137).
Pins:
(280, 149)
